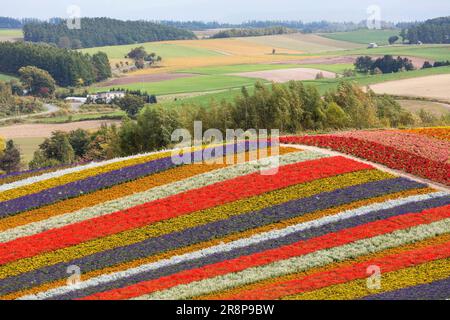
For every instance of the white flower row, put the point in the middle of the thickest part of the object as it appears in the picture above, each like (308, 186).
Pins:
(150, 195)
(241, 243)
(302, 263)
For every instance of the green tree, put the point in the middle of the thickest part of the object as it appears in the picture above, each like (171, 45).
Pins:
(10, 158)
(37, 81)
(336, 117)
(79, 140)
(393, 39)
(58, 147)
(131, 104)
(102, 66)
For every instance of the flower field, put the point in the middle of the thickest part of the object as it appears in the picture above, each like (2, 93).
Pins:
(143, 227)
(421, 152)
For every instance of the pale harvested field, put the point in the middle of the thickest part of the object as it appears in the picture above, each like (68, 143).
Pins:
(302, 42)
(286, 75)
(437, 87)
(45, 130)
(436, 108)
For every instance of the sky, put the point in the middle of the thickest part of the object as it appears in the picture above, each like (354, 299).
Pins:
(233, 11)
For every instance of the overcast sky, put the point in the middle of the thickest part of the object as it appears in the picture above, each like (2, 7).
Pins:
(230, 10)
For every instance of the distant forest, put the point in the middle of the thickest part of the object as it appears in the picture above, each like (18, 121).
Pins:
(68, 68)
(96, 32)
(252, 32)
(306, 27)
(431, 31)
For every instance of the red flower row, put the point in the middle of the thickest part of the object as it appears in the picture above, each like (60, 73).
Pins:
(393, 156)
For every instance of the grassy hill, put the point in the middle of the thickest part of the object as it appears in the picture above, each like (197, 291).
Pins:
(364, 36)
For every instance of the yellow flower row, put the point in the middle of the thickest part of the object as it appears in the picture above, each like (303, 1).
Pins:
(186, 221)
(75, 176)
(392, 251)
(228, 239)
(408, 277)
(115, 192)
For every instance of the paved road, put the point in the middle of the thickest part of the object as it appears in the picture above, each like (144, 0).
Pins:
(50, 109)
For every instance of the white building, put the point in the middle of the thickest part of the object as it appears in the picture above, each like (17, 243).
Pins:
(372, 45)
(76, 100)
(106, 97)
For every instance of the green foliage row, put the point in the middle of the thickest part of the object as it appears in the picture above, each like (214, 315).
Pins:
(431, 31)
(252, 32)
(96, 32)
(68, 68)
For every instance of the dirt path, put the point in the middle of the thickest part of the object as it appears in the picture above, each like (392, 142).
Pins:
(430, 183)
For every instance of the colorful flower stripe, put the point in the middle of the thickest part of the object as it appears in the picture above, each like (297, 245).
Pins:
(193, 235)
(92, 183)
(266, 241)
(217, 214)
(359, 271)
(252, 248)
(65, 212)
(297, 264)
(47, 181)
(390, 281)
(177, 205)
(437, 290)
(442, 133)
(137, 266)
(207, 231)
(16, 176)
(52, 179)
(418, 145)
(429, 242)
(387, 155)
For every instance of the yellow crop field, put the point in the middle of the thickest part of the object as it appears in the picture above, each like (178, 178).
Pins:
(232, 52)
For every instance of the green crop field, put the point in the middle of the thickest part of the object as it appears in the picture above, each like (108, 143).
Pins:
(363, 36)
(5, 77)
(165, 50)
(10, 34)
(322, 85)
(27, 147)
(432, 52)
(221, 70)
(201, 83)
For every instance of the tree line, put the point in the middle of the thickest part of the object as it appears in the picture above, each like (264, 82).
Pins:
(386, 64)
(252, 32)
(68, 68)
(95, 32)
(291, 108)
(431, 31)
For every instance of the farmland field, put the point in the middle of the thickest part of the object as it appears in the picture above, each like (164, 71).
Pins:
(363, 36)
(436, 87)
(285, 75)
(10, 34)
(309, 43)
(436, 108)
(200, 83)
(5, 77)
(432, 52)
